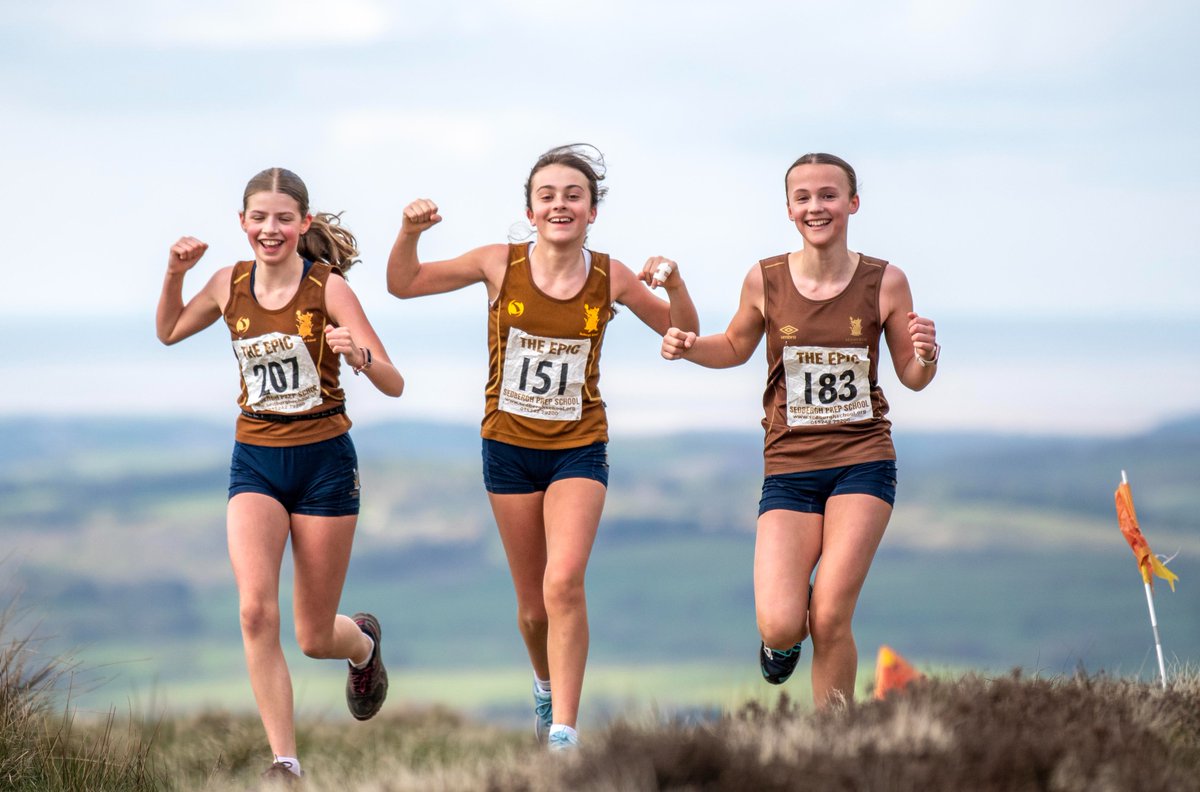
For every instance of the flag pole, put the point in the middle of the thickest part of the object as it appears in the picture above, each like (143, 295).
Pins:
(1162, 668)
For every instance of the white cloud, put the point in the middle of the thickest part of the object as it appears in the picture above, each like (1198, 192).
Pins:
(220, 24)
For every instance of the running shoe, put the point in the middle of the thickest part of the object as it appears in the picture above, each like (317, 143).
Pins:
(543, 711)
(563, 740)
(777, 666)
(366, 688)
(280, 773)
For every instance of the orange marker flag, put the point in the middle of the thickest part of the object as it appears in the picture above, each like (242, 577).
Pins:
(892, 672)
(1147, 562)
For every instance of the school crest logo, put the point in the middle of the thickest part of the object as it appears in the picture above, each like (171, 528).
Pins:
(304, 321)
(515, 307)
(855, 326)
(591, 319)
(242, 324)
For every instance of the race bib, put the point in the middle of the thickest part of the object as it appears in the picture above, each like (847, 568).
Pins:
(544, 377)
(827, 385)
(278, 372)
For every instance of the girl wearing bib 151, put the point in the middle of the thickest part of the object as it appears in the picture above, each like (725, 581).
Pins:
(830, 471)
(294, 471)
(544, 429)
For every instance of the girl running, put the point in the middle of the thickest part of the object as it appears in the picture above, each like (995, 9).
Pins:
(294, 473)
(545, 460)
(830, 469)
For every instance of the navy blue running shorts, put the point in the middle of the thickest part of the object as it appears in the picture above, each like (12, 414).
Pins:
(514, 470)
(319, 479)
(808, 491)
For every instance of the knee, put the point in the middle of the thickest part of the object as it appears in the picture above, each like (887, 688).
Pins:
(259, 619)
(779, 631)
(563, 591)
(532, 619)
(829, 626)
(318, 644)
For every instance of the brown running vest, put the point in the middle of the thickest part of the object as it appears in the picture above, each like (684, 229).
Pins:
(823, 405)
(544, 359)
(287, 368)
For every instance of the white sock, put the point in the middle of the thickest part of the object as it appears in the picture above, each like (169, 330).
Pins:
(543, 685)
(370, 655)
(559, 727)
(292, 762)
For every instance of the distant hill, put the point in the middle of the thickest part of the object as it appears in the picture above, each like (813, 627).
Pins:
(1003, 550)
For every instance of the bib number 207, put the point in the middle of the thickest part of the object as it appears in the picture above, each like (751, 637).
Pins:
(273, 373)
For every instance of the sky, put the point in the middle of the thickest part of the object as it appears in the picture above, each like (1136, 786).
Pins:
(1033, 167)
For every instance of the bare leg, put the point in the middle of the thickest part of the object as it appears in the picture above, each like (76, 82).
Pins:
(548, 539)
(321, 553)
(786, 549)
(523, 533)
(257, 528)
(854, 527)
(573, 508)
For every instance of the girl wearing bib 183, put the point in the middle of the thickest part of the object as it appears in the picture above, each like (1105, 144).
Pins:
(294, 472)
(545, 434)
(830, 470)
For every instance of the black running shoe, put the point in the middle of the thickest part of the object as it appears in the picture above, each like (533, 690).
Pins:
(366, 688)
(777, 666)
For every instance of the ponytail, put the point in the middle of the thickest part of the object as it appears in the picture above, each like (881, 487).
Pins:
(329, 241)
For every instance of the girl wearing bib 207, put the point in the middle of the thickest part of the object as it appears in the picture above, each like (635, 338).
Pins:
(830, 471)
(544, 429)
(292, 318)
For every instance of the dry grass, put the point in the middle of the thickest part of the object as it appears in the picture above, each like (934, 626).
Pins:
(970, 733)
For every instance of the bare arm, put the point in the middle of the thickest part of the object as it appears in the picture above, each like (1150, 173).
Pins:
(731, 348)
(175, 320)
(351, 336)
(908, 334)
(408, 277)
(631, 291)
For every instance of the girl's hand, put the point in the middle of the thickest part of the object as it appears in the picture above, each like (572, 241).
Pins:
(676, 342)
(924, 336)
(184, 254)
(420, 215)
(657, 271)
(342, 343)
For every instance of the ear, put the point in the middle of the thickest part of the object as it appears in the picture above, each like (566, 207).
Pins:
(242, 220)
(304, 225)
(592, 215)
(854, 204)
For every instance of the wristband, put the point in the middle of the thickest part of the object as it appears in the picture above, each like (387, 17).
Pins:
(366, 353)
(937, 353)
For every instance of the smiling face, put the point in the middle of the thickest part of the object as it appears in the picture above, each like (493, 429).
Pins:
(820, 201)
(561, 206)
(273, 223)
